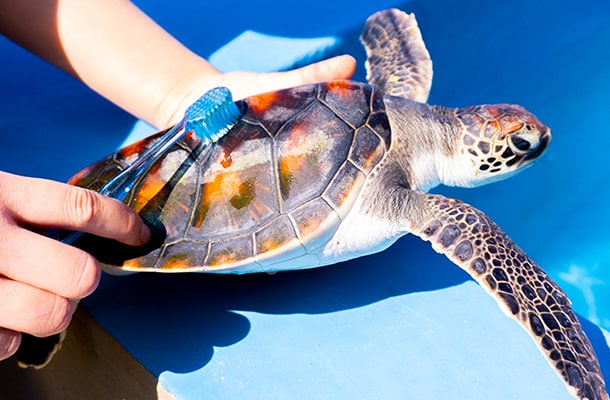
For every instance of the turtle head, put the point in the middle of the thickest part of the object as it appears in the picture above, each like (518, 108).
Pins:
(495, 142)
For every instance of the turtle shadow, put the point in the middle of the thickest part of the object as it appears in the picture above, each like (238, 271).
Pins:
(193, 313)
(600, 344)
(174, 322)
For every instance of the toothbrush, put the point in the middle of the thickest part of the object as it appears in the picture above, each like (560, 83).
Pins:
(210, 117)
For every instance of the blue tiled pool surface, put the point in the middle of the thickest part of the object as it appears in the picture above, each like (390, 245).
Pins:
(402, 323)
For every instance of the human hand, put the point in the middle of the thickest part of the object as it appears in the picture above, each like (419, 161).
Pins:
(39, 275)
(243, 84)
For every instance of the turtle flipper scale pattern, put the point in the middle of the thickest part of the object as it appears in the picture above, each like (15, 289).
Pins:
(397, 59)
(522, 289)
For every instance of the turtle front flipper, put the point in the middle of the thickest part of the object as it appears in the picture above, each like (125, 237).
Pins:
(521, 288)
(397, 59)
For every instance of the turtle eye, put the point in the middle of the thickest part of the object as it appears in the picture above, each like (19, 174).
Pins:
(524, 142)
(520, 143)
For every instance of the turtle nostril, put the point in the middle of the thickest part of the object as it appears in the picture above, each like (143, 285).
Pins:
(520, 143)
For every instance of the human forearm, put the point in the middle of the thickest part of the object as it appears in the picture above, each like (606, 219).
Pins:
(122, 54)
(111, 46)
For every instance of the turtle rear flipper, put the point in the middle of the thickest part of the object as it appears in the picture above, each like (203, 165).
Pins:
(521, 288)
(37, 352)
(397, 59)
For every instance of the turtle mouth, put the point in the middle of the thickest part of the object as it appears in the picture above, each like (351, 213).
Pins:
(544, 143)
(524, 160)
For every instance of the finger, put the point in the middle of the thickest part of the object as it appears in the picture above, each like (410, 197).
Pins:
(53, 266)
(9, 343)
(31, 310)
(340, 67)
(244, 84)
(52, 204)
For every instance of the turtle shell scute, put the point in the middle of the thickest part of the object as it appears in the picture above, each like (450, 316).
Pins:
(275, 187)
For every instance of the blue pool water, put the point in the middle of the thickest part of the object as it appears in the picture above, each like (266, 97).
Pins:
(552, 57)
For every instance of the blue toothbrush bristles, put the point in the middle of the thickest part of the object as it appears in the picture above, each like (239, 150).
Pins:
(213, 115)
(210, 117)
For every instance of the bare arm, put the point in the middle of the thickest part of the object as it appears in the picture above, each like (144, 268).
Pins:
(122, 54)
(126, 57)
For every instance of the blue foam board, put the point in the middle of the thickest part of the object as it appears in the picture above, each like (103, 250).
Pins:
(403, 323)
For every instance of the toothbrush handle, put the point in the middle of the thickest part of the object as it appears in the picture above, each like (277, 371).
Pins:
(119, 186)
(210, 118)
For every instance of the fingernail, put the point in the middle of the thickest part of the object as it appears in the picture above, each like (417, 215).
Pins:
(144, 234)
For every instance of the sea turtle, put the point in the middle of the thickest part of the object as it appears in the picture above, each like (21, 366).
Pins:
(321, 173)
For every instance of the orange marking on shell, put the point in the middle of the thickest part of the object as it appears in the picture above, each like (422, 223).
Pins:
(150, 187)
(532, 120)
(291, 164)
(257, 209)
(155, 168)
(177, 262)
(254, 214)
(222, 188)
(492, 128)
(341, 88)
(79, 176)
(222, 258)
(260, 103)
(226, 160)
(307, 227)
(201, 212)
(133, 149)
(133, 264)
(185, 207)
(226, 187)
(245, 195)
(347, 191)
(271, 243)
(370, 159)
(510, 123)
(233, 221)
(296, 133)
(493, 111)
(340, 84)
(329, 124)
